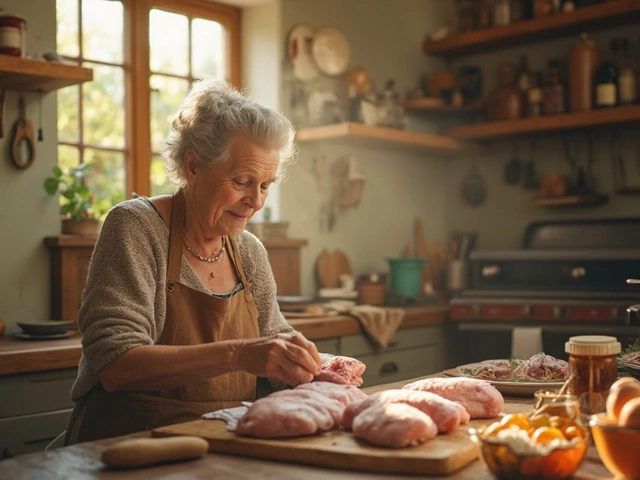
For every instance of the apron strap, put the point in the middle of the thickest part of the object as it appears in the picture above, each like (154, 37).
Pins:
(175, 238)
(235, 258)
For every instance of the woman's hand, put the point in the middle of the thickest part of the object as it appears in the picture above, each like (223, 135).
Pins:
(288, 357)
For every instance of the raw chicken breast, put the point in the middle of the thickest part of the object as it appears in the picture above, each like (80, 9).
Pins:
(479, 397)
(290, 413)
(343, 370)
(446, 414)
(345, 394)
(394, 425)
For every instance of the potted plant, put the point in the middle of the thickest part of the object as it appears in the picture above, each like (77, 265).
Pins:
(77, 203)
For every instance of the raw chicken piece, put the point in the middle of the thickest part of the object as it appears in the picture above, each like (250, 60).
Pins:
(394, 425)
(290, 413)
(479, 397)
(446, 414)
(343, 370)
(345, 394)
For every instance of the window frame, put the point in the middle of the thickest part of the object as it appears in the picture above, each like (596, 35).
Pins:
(137, 73)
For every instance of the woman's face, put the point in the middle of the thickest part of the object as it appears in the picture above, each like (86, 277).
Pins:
(228, 194)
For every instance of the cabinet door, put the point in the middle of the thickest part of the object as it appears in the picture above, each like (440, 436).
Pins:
(393, 366)
(69, 268)
(31, 433)
(36, 392)
(285, 263)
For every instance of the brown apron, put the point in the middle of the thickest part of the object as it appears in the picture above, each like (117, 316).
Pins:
(192, 318)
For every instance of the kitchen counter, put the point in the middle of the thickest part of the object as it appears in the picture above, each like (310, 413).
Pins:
(20, 356)
(83, 461)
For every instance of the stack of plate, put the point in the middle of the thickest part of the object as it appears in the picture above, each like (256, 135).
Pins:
(44, 330)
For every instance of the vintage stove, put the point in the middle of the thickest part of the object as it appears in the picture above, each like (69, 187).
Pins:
(568, 279)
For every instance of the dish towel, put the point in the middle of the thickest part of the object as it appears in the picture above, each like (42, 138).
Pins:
(526, 342)
(380, 323)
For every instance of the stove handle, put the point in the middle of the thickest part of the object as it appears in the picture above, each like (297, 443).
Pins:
(633, 315)
(491, 271)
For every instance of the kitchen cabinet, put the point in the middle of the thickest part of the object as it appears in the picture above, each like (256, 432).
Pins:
(24, 74)
(34, 409)
(595, 17)
(70, 256)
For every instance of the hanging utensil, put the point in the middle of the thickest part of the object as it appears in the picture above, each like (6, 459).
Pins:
(23, 149)
(529, 175)
(513, 168)
(474, 188)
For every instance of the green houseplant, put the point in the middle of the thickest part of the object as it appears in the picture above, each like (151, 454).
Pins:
(76, 200)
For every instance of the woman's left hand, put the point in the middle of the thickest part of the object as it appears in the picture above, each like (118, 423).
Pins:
(288, 357)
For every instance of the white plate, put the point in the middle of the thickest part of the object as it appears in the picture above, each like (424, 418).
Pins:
(518, 389)
(299, 43)
(331, 51)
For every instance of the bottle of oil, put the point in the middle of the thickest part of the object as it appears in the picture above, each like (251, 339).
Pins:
(584, 59)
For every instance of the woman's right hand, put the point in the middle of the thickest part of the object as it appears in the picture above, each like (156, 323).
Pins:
(288, 357)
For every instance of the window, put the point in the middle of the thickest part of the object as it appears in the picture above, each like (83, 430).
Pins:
(145, 54)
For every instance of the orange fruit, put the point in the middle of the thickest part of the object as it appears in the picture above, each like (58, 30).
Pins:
(544, 435)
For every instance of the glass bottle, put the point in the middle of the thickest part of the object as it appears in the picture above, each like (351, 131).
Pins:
(542, 8)
(593, 367)
(524, 76)
(606, 85)
(534, 97)
(501, 12)
(584, 59)
(517, 10)
(627, 74)
(554, 90)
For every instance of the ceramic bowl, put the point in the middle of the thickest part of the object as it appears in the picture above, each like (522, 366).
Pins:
(45, 327)
(617, 446)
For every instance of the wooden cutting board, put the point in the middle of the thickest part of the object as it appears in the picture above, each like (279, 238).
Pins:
(330, 265)
(442, 455)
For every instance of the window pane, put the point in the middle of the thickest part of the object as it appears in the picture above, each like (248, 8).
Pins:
(106, 179)
(160, 183)
(209, 49)
(167, 95)
(102, 31)
(68, 156)
(68, 130)
(103, 108)
(168, 42)
(67, 27)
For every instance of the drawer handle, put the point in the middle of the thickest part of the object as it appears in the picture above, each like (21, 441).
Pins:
(389, 368)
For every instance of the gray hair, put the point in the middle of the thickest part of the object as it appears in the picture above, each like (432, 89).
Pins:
(210, 119)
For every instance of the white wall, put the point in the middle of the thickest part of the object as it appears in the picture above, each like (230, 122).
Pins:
(27, 213)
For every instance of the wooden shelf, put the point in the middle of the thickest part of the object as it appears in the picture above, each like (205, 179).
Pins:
(595, 17)
(435, 104)
(371, 136)
(571, 201)
(26, 74)
(550, 123)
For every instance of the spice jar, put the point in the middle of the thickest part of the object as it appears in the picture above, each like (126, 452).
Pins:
(593, 367)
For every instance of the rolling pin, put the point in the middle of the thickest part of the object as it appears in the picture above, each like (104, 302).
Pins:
(141, 452)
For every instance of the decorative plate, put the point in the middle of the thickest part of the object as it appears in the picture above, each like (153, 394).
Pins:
(331, 51)
(299, 54)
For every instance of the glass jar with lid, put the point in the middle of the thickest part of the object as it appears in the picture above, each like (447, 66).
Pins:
(593, 367)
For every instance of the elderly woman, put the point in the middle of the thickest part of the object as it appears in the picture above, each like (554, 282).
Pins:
(179, 312)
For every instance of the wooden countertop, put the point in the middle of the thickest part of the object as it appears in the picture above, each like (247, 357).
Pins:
(83, 461)
(20, 356)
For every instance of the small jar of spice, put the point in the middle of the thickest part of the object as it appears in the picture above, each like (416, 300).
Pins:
(593, 367)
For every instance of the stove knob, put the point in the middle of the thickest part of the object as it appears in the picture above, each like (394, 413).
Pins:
(490, 271)
(578, 272)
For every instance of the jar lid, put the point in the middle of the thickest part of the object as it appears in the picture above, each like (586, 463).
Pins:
(592, 345)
